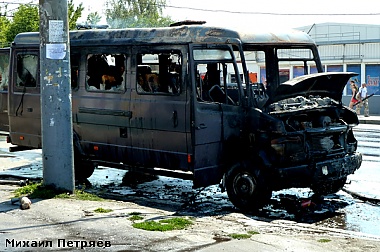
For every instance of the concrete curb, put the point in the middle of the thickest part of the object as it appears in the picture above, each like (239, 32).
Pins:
(369, 120)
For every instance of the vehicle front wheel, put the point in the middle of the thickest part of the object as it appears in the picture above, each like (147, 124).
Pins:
(246, 188)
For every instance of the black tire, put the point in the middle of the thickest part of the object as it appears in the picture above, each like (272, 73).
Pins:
(84, 169)
(329, 187)
(246, 188)
(83, 166)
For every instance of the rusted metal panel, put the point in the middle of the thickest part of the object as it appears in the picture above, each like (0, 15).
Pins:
(132, 36)
(293, 37)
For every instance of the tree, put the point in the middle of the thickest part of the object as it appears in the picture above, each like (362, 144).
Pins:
(74, 14)
(4, 24)
(93, 18)
(25, 19)
(136, 13)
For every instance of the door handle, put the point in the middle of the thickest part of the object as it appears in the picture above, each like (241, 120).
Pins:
(175, 119)
(201, 126)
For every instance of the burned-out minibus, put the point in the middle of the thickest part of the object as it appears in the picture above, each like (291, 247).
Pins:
(208, 104)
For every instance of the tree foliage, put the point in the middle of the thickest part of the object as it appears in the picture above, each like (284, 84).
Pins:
(27, 19)
(4, 24)
(93, 18)
(74, 14)
(136, 13)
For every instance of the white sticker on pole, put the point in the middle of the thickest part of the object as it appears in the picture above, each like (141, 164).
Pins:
(55, 51)
(56, 31)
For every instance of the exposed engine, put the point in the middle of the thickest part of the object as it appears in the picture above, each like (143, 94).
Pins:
(302, 113)
(304, 137)
(314, 129)
(301, 102)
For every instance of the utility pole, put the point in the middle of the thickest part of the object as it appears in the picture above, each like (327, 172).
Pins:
(55, 79)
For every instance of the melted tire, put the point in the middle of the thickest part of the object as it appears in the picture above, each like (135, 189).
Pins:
(246, 187)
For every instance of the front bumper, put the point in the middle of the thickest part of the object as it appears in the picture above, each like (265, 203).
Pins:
(308, 174)
(338, 168)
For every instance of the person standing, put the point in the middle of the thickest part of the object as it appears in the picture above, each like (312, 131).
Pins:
(354, 89)
(363, 94)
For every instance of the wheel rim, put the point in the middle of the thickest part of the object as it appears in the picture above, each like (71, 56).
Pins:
(244, 185)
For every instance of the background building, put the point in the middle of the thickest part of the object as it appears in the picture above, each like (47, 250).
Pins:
(351, 48)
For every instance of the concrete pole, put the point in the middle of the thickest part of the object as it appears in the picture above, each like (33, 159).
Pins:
(55, 79)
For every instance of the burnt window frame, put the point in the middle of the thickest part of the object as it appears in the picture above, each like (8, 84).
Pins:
(75, 70)
(228, 100)
(172, 50)
(5, 66)
(16, 66)
(298, 59)
(111, 52)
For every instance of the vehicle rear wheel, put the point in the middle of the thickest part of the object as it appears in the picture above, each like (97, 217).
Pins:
(329, 187)
(84, 169)
(83, 166)
(246, 188)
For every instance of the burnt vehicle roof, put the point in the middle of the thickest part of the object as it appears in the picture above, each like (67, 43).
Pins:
(196, 33)
(328, 84)
(291, 37)
(173, 35)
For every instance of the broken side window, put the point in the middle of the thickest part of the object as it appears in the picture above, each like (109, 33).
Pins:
(216, 76)
(106, 72)
(159, 73)
(4, 70)
(299, 60)
(26, 68)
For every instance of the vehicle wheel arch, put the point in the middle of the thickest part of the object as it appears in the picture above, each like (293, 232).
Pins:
(235, 150)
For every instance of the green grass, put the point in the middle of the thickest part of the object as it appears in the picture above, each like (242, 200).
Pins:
(239, 236)
(324, 240)
(253, 232)
(38, 190)
(82, 195)
(135, 218)
(102, 210)
(164, 225)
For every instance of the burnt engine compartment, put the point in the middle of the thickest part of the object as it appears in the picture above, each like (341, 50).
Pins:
(314, 130)
(302, 113)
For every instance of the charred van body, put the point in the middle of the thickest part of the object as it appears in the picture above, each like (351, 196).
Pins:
(202, 103)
